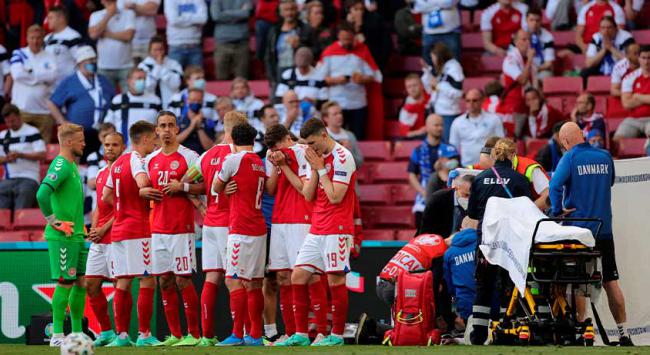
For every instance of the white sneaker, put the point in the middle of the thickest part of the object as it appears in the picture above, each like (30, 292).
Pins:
(57, 340)
(318, 339)
(282, 337)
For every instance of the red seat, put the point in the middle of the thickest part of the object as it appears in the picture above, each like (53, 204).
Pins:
(407, 64)
(393, 217)
(491, 64)
(375, 150)
(599, 84)
(380, 194)
(20, 236)
(392, 129)
(403, 194)
(219, 88)
(476, 83)
(404, 149)
(36, 235)
(641, 37)
(364, 175)
(390, 172)
(631, 147)
(557, 102)
(260, 88)
(5, 219)
(578, 61)
(469, 24)
(562, 85)
(534, 145)
(563, 39)
(601, 103)
(406, 234)
(613, 123)
(472, 42)
(615, 108)
(394, 87)
(379, 234)
(30, 218)
(51, 152)
(392, 107)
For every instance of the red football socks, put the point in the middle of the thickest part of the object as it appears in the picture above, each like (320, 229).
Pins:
(123, 304)
(99, 304)
(339, 308)
(238, 307)
(191, 305)
(318, 295)
(145, 309)
(170, 305)
(208, 301)
(301, 307)
(286, 307)
(255, 310)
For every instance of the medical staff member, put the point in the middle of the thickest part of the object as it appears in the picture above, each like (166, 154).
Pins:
(501, 180)
(581, 186)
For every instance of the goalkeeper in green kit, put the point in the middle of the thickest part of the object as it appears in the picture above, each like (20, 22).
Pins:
(60, 198)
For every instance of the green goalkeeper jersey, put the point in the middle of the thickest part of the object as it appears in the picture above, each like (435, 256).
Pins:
(61, 194)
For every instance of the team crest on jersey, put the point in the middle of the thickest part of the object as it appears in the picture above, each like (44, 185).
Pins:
(608, 13)
(515, 18)
(174, 165)
(638, 85)
(428, 240)
(328, 167)
(215, 161)
(118, 170)
(53, 176)
(72, 271)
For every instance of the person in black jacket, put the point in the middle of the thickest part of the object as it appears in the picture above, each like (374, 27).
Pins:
(501, 181)
(551, 153)
(446, 209)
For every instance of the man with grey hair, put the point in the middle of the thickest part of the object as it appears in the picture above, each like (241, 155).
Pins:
(304, 79)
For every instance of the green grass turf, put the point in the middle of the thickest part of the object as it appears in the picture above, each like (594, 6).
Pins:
(347, 350)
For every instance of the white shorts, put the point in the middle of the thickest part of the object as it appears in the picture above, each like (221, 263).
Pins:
(215, 244)
(131, 258)
(325, 253)
(245, 257)
(173, 253)
(98, 264)
(286, 240)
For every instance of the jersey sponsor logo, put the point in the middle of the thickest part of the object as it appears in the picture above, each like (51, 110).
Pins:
(53, 176)
(174, 165)
(340, 173)
(593, 169)
(428, 240)
(496, 181)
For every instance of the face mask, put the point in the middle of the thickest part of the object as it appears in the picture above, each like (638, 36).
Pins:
(138, 86)
(451, 164)
(199, 84)
(463, 202)
(91, 67)
(195, 107)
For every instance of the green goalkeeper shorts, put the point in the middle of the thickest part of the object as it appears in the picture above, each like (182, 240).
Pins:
(67, 259)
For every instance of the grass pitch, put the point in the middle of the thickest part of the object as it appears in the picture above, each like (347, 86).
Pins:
(347, 350)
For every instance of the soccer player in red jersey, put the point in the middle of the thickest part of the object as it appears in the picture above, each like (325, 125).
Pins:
(215, 222)
(130, 236)
(326, 248)
(246, 245)
(172, 230)
(98, 266)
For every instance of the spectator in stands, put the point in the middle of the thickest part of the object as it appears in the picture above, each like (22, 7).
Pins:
(414, 110)
(541, 116)
(493, 92)
(518, 73)
(422, 161)
(408, 30)
(471, 129)
(95, 160)
(283, 40)
(317, 33)
(459, 267)
(369, 28)
(589, 20)
(133, 105)
(542, 41)
(231, 37)
(332, 115)
(5, 78)
(294, 112)
(623, 67)
(265, 18)
(195, 79)
(113, 29)
(223, 106)
(21, 149)
(84, 96)
(243, 98)
(444, 82)
(448, 160)
(559, 13)
(440, 24)
(164, 75)
(34, 73)
(145, 25)
(500, 22)
(585, 115)
(185, 20)
(267, 116)
(62, 42)
(304, 79)
(606, 48)
(549, 156)
(446, 208)
(348, 66)
(596, 139)
(196, 131)
(635, 95)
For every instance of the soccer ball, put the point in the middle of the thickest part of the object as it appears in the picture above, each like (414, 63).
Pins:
(77, 344)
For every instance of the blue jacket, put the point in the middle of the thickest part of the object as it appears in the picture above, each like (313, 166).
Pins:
(459, 265)
(584, 176)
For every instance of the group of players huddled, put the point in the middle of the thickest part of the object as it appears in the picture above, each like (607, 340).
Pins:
(145, 229)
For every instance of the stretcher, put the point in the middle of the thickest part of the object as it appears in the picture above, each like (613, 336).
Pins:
(546, 312)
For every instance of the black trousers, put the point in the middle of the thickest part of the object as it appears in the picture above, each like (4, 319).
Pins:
(355, 121)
